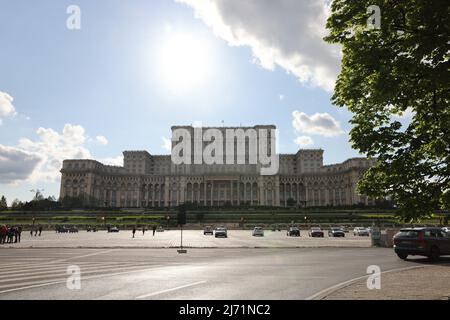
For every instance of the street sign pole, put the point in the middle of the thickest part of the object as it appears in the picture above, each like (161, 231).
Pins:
(181, 221)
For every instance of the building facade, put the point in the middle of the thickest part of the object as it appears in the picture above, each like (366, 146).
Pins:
(147, 180)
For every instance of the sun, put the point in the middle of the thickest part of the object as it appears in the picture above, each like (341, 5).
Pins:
(185, 62)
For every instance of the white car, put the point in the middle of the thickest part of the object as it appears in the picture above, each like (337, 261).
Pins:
(446, 229)
(361, 231)
(258, 231)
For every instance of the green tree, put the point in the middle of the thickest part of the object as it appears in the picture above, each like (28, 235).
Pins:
(16, 204)
(3, 203)
(401, 67)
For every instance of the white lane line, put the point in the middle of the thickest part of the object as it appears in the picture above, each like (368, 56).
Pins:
(170, 290)
(85, 255)
(50, 266)
(84, 278)
(53, 273)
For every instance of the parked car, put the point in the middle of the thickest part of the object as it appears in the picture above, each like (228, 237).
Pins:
(61, 229)
(73, 229)
(336, 232)
(258, 231)
(316, 232)
(446, 229)
(293, 232)
(113, 229)
(208, 230)
(429, 242)
(361, 231)
(345, 229)
(221, 232)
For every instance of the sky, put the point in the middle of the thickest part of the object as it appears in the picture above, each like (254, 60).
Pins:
(134, 68)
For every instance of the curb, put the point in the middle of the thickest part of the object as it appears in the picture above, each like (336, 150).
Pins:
(321, 295)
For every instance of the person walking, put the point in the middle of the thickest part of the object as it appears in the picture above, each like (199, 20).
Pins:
(143, 230)
(19, 233)
(134, 231)
(10, 234)
(40, 230)
(3, 232)
(154, 230)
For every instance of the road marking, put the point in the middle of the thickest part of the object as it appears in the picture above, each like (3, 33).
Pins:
(325, 292)
(84, 256)
(62, 272)
(169, 290)
(84, 278)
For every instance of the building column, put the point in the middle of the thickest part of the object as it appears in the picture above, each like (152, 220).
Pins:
(306, 195)
(166, 191)
(231, 192)
(212, 193)
(286, 196)
(277, 192)
(262, 198)
(205, 196)
(238, 193)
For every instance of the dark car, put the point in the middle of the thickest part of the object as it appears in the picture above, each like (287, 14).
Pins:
(221, 232)
(336, 232)
(61, 229)
(316, 232)
(293, 232)
(429, 242)
(73, 229)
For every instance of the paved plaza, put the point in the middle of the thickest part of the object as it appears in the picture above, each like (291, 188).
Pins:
(191, 238)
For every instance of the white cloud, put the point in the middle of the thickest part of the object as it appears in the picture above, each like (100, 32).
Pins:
(6, 107)
(53, 147)
(167, 144)
(284, 33)
(281, 97)
(16, 164)
(407, 114)
(102, 140)
(73, 134)
(304, 141)
(322, 124)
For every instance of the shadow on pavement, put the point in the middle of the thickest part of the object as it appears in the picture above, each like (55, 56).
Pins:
(443, 261)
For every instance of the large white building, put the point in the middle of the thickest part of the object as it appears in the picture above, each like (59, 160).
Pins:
(147, 180)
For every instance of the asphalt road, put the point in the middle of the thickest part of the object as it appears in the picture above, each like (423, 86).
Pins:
(289, 273)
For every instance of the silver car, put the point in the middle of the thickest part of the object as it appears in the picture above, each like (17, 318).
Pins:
(361, 231)
(258, 231)
(221, 232)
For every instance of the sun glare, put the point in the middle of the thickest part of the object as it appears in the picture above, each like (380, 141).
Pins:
(184, 63)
